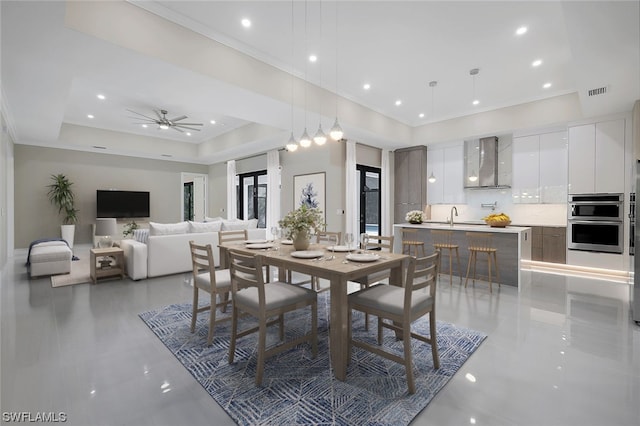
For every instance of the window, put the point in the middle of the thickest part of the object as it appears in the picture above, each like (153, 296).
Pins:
(370, 199)
(252, 197)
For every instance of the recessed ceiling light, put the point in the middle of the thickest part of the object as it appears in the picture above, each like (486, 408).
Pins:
(366, 86)
(536, 63)
(521, 30)
(398, 102)
(476, 102)
(101, 97)
(188, 133)
(421, 115)
(89, 116)
(145, 126)
(546, 85)
(246, 22)
(213, 122)
(313, 58)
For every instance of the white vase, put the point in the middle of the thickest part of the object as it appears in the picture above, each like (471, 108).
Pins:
(301, 241)
(68, 232)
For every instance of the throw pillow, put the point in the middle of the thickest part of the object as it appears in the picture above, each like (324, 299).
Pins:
(168, 228)
(200, 227)
(141, 235)
(239, 225)
(213, 219)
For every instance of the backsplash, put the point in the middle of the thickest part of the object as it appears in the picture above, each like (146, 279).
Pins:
(520, 214)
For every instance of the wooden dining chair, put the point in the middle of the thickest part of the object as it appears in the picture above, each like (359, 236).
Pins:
(397, 308)
(385, 245)
(207, 278)
(324, 238)
(251, 296)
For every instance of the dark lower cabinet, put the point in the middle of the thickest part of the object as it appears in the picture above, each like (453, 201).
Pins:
(549, 244)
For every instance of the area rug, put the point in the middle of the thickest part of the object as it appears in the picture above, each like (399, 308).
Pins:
(298, 389)
(79, 273)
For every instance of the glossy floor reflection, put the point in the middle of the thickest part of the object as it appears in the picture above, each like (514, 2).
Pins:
(563, 351)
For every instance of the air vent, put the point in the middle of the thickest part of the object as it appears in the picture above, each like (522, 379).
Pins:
(99, 147)
(598, 91)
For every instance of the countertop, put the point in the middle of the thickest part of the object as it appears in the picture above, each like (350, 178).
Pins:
(465, 226)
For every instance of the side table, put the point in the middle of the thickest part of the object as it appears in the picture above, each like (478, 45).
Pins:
(113, 270)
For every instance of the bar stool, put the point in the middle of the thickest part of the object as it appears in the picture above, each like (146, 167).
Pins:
(482, 242)
(444, 240)
(410, 240)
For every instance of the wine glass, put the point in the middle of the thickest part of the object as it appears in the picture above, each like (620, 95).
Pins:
(333, 240)
(348, 238)
(364, 241)
(275, 232)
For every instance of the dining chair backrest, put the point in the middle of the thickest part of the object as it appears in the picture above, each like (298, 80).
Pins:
(202, 262)
(230, 236)
(324, 237)
(422, 272)
(381, 242)
(246, 272)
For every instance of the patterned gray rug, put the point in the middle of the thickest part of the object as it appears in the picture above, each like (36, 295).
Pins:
(300, 390)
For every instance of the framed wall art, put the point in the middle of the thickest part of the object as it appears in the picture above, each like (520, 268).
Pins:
(309, 189)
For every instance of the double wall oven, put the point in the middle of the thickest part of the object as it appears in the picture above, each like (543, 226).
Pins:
(596, 222)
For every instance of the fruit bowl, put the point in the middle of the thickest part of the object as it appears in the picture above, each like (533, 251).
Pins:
(497, 220)
(497, 223)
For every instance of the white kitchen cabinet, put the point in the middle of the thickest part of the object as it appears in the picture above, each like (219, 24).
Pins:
(540, 168)
(453, 185)
(582, 159)
(525, 182)
(446, 164)
(596, 157)
(609, 166)
(553, 168)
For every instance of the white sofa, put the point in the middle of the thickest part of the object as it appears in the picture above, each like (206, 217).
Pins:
(166, 250)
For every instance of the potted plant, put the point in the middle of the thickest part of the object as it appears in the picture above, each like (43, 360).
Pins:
(129, 228)
(62, 197)
(299, 224)
(415, 216)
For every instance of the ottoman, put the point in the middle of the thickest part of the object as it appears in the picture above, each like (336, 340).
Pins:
(50, 258)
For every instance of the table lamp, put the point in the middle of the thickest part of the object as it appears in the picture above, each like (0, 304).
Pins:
(105, 229)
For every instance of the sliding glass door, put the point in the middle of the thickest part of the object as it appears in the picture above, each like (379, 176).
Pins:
(370, 199)
(252, 197)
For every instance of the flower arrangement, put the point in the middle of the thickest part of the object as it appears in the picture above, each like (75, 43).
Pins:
(129, 228)
(302, 219)
(415, 216)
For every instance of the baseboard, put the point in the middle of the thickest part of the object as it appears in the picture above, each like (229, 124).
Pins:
(579, 271)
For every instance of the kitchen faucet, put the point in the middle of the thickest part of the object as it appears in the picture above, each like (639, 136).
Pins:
(451, 215)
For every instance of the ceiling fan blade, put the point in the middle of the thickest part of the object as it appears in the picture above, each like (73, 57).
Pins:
(175, 128)
(159, 114)
(147, 117)
(185, 127)
(182, 117)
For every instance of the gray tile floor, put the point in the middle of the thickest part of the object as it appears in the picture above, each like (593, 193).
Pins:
(563, 351)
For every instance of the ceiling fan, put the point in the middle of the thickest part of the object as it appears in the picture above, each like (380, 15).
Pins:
(166, 123)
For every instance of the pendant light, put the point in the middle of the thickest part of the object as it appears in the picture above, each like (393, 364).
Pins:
(336, 132)
(320, 137)
(432, 84)
(305, 140)
(292, 145)
(474, 72)
(432, 178)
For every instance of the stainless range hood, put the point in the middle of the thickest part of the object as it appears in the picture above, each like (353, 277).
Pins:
(482, 164)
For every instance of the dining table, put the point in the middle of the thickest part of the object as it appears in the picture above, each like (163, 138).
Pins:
(338, 267)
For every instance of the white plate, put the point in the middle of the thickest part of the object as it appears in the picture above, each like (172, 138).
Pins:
(260, 246)
(286, 242)
(307, 254)
(255, 241)
(362, 257)
(338, 249)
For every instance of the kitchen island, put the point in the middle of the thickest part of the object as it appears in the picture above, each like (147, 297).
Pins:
(513, 244)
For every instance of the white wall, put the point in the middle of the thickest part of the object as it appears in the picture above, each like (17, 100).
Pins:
(6, 194)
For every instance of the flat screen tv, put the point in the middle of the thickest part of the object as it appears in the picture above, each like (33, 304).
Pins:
(122, 204)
